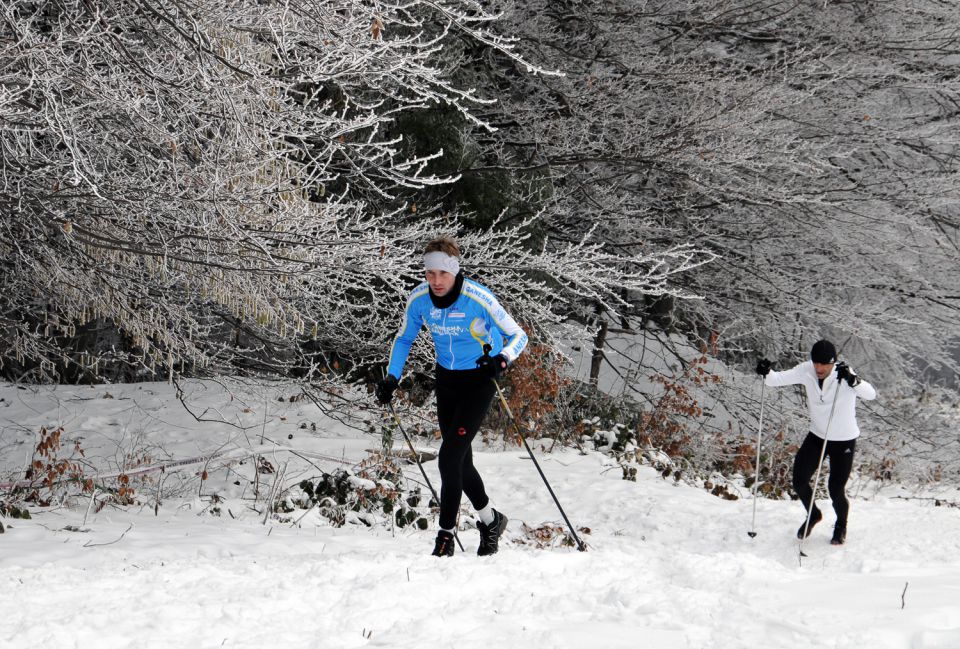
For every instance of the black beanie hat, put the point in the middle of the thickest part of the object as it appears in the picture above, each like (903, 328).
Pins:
(823, 352)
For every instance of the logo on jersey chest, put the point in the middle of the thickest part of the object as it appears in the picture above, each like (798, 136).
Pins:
(437, 314)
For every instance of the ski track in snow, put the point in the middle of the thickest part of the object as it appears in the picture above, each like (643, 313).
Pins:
(669, 565)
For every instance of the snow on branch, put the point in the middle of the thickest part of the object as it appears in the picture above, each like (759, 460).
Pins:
(177, 175)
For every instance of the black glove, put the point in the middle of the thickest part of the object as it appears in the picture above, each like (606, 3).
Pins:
(763, 367)
(845, 373)
(493, 366)
(385, 388)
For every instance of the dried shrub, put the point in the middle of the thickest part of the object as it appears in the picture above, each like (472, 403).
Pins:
(57, 472)
(664, 427)
(776, 465)
(52, 476)
(533, 388)
(548, 535)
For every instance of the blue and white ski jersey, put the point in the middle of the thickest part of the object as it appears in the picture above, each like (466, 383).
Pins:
(459, 331)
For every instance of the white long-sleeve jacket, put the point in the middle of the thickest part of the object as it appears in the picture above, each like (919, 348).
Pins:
(820, 400)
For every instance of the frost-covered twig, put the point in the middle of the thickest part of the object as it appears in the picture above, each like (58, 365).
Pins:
(88, 544)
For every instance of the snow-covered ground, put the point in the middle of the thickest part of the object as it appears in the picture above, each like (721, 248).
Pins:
(668, 564)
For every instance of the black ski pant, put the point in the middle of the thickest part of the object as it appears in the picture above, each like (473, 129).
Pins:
(840, 455)
(463, 398)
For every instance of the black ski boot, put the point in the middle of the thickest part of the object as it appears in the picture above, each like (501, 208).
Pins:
(444, 545)
(839, 533)
(815, 518)
(490, 534)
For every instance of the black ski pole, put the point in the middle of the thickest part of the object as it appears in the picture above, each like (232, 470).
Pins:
(416, 457)
(581, 546)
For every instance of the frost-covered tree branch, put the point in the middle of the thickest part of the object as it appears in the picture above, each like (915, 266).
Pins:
(811, 147)
(197, 187)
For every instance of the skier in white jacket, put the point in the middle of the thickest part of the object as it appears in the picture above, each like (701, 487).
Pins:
(824, 381)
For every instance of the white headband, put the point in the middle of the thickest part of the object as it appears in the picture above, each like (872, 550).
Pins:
(441, 261)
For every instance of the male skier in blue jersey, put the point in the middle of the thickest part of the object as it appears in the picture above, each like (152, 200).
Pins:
(462, 317)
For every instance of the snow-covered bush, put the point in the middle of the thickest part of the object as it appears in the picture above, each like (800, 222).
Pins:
(374, 495)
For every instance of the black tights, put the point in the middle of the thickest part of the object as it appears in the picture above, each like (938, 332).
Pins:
(841, 464)
(463, 398)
